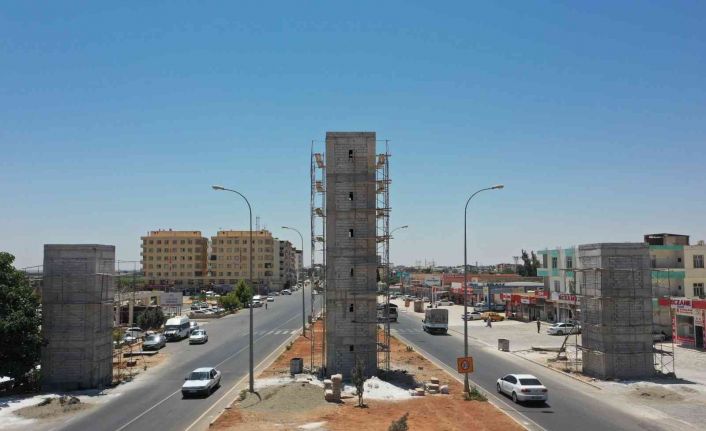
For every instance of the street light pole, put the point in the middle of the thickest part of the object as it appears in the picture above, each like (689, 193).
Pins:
(466, 386)
(300, 269)
(252, 257)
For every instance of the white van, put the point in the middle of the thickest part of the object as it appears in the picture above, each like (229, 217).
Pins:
(177, 328)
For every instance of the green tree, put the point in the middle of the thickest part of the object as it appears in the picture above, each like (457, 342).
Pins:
(151, 318)
(535, 264)
(230, 301)
(20, 323)
(244, 292)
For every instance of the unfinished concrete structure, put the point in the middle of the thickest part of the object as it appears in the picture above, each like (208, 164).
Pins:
(351, 255)
(616, 310)
(77, 316)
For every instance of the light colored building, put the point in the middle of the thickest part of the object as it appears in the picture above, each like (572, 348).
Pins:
(284, 266)
(667, 260)
(562, 283)
(229, 261)
(299, 264)
(695, 273)
(174, 258)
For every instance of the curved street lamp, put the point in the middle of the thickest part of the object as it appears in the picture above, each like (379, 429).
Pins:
(252, 257)
(466, 386)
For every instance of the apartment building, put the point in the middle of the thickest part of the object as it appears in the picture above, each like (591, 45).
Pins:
(562, 283)
(230, 258)
(172, 257)
(284, 265)
(695, 273)
(667, 260)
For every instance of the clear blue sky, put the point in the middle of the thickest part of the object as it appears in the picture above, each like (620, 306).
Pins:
(116, 119)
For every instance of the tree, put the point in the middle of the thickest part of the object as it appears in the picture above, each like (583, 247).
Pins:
(529, 266)
(151, 318)
(535, 264)
(244, 292)
(20, 323)
(358, 377)
(230, 301)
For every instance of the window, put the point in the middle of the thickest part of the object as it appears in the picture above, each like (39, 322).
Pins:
(698, 261)
(569, 262)
(545, 263)
(350, 196)
(654, 262)
(555, 262)
(351, 272)
(351, 348)
(698, 289)
(351, 234)
(350, 156)
(557, 286)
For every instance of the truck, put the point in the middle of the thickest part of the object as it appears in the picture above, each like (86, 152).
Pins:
(436, 320)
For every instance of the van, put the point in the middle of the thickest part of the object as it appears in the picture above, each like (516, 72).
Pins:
(177, 328)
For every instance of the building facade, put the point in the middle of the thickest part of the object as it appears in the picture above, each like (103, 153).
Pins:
(230, 257)
(285, 265)
(175, 258)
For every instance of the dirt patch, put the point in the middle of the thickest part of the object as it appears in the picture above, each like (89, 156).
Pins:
(126, 368)
(300, 406)
(52, 407)
(656, 393)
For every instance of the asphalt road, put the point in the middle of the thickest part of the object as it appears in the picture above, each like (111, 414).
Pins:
(572, 405)
(154, 402)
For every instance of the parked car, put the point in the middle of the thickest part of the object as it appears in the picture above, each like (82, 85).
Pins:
(129, 339)
(198, 336)
(135, 332)
(201, 381)
(274, 293)
(154, 342)
(494, 317)
(270, 299)
(286, 292)
(193, 326)
(471, 315)
(444, 303)
(256, 303)
(564, 328)
(522, 387)
(659, 336)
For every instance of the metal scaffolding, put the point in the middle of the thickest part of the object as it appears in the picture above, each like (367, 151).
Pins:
(318, 245)
(382, 222)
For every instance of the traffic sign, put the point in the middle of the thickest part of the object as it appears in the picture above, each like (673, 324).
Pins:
(464, 365)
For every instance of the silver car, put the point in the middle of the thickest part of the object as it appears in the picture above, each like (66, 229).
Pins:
(198, 336)
(201, 381)
(522, 387)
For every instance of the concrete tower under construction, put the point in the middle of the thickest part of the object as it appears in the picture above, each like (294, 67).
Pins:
(351, 254)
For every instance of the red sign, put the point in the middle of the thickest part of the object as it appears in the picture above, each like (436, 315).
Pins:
(464, 365)
(505, 296)
(681, 304)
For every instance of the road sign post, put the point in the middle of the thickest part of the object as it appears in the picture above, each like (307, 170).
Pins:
(464, 365)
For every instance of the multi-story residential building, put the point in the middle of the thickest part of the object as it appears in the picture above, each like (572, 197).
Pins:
(230, 258)
(299, 264)
(174, 258)
(562, 282)
(667, 257)
(285, 265)
(695, 273)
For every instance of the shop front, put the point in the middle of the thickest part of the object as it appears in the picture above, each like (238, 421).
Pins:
(688, 316)
(564, 307)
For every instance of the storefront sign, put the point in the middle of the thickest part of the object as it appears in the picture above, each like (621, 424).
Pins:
(681, 304)
(505, 297)
(525, 300)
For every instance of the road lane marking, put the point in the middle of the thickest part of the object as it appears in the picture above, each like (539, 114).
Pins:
(240, 382)
(489, 394)
(179, 390)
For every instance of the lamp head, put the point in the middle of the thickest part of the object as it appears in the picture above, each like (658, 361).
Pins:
(498, 187)
(218, 187)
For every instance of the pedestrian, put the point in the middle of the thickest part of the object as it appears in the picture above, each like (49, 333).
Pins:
(265, 305)
(538, 325)
(489, 323)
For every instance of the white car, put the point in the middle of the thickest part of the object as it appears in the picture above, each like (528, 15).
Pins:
(563, 328)
(201, 381)
(522, 387)
(472, 315)
(198, 336)
(135, 332)
(270, 299)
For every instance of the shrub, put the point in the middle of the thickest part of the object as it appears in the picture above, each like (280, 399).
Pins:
(399, 424)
